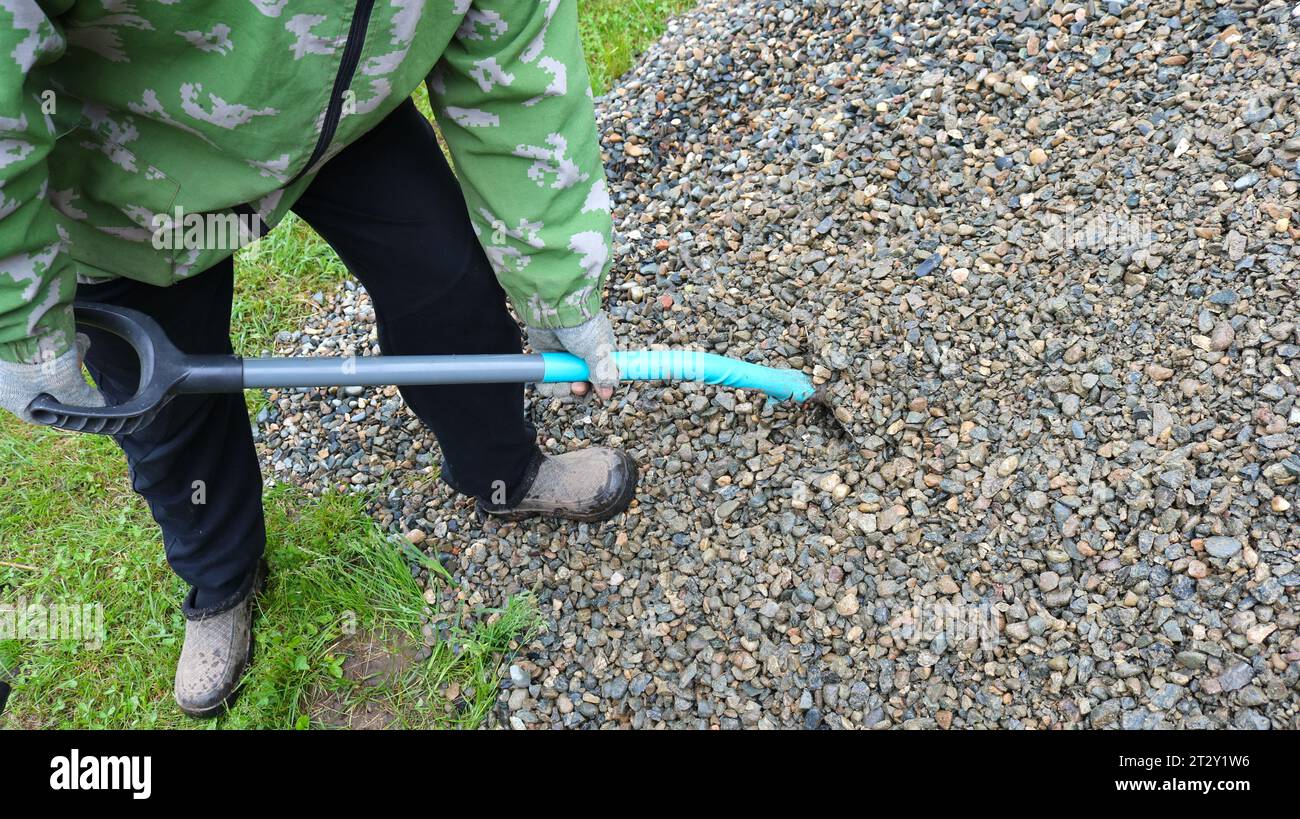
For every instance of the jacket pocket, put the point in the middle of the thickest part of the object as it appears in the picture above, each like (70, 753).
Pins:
(111, 201)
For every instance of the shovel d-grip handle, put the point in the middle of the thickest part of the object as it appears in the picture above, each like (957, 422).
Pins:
(165, 372)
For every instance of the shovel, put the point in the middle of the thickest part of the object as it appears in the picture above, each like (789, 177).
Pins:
(166, 372)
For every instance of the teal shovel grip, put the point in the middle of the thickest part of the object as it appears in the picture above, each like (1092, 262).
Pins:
(687, 365)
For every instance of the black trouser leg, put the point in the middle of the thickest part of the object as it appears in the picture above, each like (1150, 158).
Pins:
(391, 208)
(195, 464)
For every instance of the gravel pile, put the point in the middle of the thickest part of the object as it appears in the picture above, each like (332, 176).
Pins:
(1045, 254)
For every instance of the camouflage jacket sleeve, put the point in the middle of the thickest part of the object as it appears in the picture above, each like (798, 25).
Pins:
(37, 282)
(513, 100)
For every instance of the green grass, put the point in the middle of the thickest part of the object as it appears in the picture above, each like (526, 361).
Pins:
(75, 533)
(614, 32)
(79, 536)
(274, 282)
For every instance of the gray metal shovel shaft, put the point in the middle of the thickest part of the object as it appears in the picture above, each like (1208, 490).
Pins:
(362, 371)
(165, 371)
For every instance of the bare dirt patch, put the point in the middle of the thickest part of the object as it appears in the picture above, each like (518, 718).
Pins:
(371, 661)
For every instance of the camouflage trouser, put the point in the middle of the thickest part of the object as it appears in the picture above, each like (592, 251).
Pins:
(513, 99)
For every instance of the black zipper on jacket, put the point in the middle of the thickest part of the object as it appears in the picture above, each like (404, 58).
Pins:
(333, 113)
(347, 68)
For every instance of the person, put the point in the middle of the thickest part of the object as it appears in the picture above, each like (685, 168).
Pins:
(125, 127)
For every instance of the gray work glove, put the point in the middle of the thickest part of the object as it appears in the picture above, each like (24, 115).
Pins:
(593, 342)
(60, 377)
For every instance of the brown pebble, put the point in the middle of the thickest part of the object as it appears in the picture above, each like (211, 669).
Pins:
(1158, 373)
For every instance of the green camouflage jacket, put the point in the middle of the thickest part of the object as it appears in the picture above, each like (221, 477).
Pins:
(122, 119)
